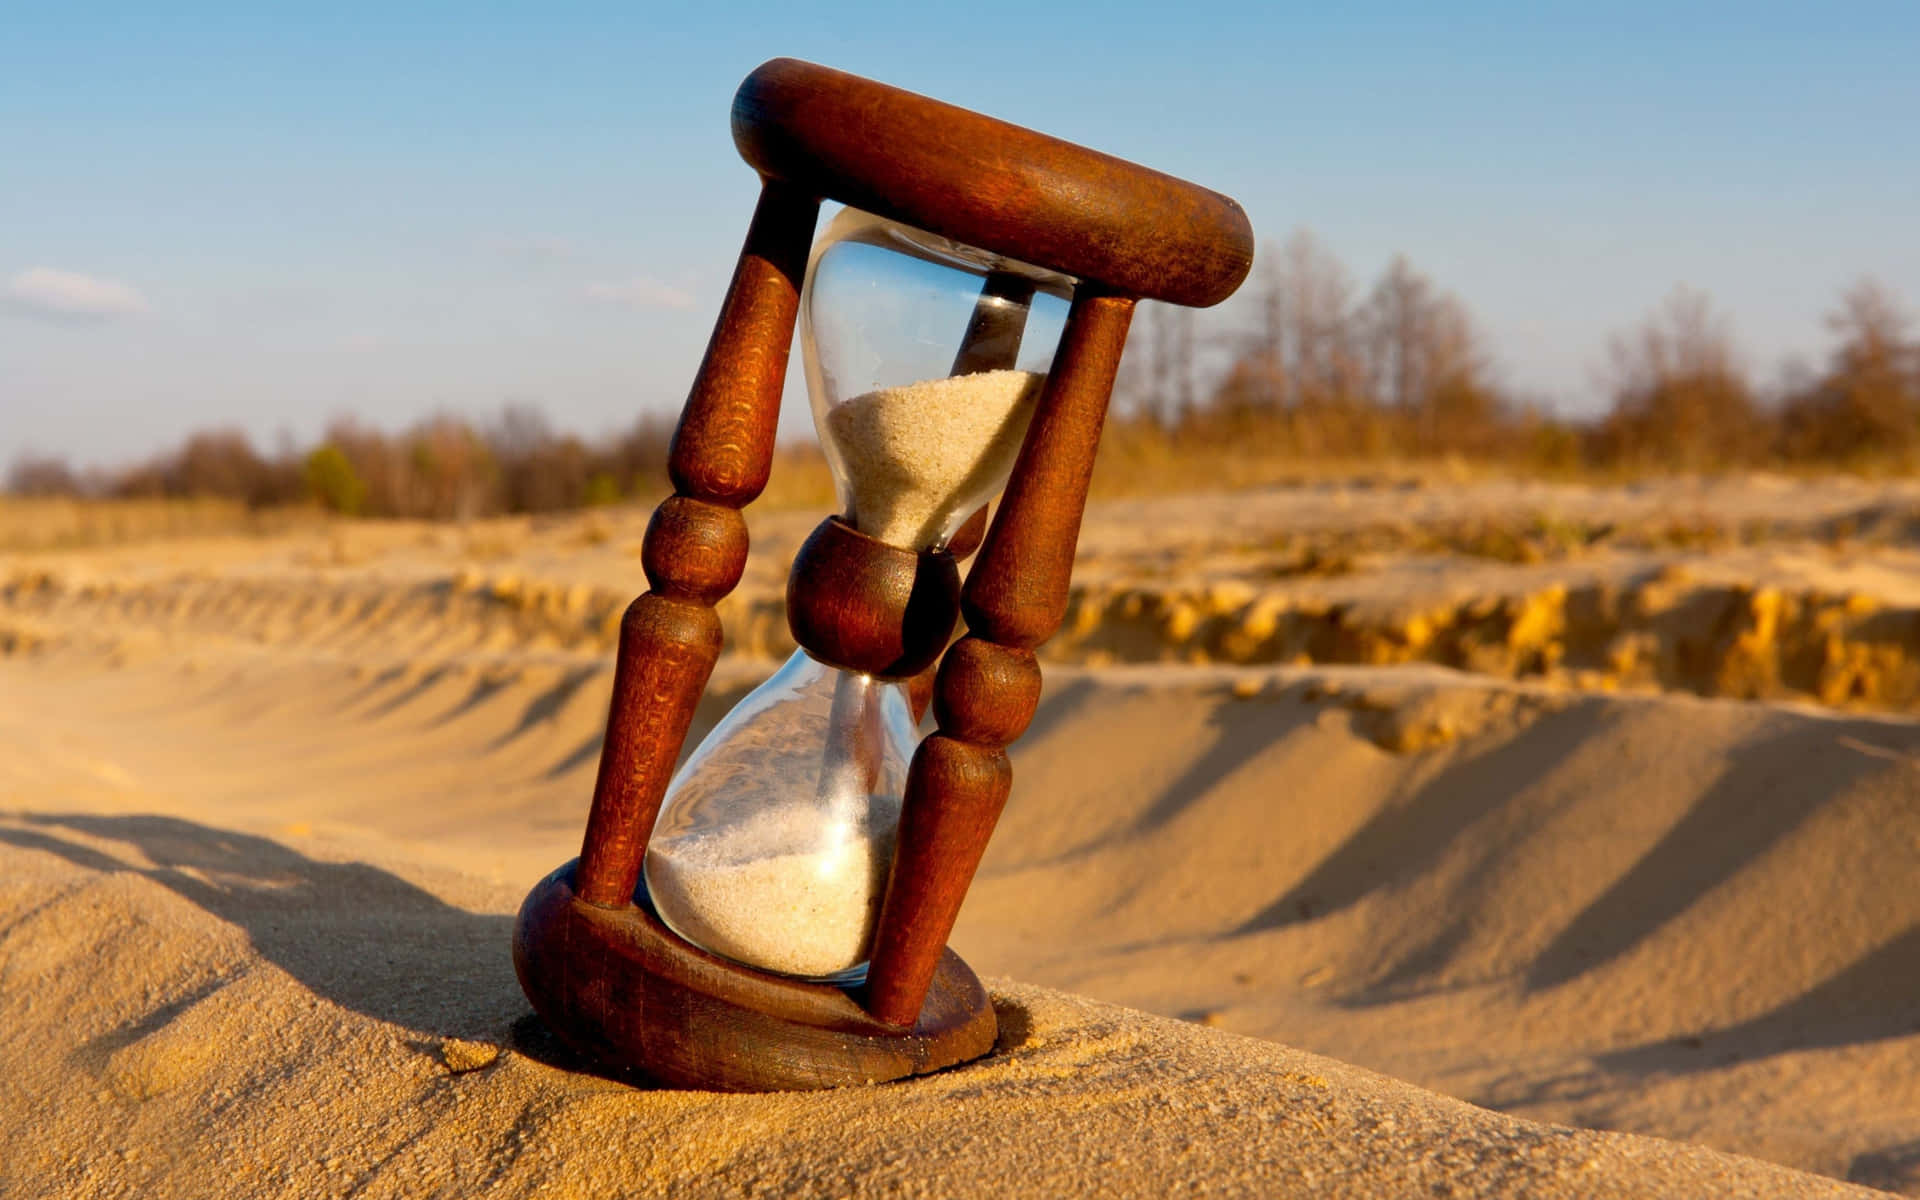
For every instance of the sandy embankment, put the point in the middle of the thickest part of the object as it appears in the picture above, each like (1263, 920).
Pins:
(1757, 589)
(272, 803)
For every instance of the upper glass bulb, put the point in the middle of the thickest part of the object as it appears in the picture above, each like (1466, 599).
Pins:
(924, 359)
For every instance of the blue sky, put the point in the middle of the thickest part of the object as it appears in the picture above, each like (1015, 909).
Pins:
(267, 216)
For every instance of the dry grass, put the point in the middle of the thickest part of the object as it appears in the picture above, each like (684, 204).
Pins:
(32, 523)
(800, 480)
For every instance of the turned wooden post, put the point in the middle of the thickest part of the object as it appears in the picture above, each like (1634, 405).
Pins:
(988, 684)
(696, 544)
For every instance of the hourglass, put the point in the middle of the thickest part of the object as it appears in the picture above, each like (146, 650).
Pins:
(774, 914)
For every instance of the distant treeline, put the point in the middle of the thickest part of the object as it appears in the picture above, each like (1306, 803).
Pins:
(1318, 373)
(443, 467)
(1402, 372)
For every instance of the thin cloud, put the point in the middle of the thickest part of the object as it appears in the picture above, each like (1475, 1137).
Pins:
(53, 294)
(638, 293)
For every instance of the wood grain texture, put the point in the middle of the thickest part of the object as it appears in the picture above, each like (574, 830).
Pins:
(986, 693)
(989, 682)
(696, 544)
(602, 972)
(624, 992)
(991, 184)
(694, 549)
(860, 604)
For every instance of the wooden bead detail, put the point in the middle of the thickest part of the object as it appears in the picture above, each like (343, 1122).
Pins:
(986, 693)
(694, 549)
(667, 652)
(723, 447)
(863, 605)
(955, 791)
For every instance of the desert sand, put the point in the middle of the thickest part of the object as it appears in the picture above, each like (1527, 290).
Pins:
(1372, 839)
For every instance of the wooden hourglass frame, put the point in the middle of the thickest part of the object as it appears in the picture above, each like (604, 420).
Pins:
(601, 970)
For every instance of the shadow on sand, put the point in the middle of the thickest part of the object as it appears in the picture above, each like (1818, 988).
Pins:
(353, 934)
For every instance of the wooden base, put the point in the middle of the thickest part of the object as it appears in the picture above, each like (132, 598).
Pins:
(622, 990)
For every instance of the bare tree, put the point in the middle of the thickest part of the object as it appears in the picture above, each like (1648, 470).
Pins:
(1168, 374)
(453, 467)
(1398, 320)
(1680, 396)
(41, 475)
(1461, 409)
(538, 471)
(1426, 363)
(1866, 405)
(1270, 344)
(1321, 353)
(1253, 386)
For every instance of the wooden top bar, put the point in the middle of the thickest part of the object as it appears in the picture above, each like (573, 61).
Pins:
(991, 184)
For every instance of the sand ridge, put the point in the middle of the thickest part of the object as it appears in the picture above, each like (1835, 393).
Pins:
(1761, 588)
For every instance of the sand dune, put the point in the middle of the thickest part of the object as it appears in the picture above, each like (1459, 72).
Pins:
(233, 1017)
(271, 801)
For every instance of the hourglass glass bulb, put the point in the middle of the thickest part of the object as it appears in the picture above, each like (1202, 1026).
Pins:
(924, 360)
(774, 839)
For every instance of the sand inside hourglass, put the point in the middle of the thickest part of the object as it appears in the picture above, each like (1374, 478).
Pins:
(773, 893)
(787, 869)
(916, 454)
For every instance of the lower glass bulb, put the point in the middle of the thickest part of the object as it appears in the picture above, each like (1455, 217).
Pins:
(775, 838)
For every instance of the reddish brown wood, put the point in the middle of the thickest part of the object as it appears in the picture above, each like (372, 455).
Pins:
(860, 604)
(986, 693)
(961, 545)
(999, 325)
(624, 992)
(722, 448)
(990, 184)
(955, 791)
(694, 549)
(667, 652)
(696, 545)
(1016, 593)
(864, 605)
(989, 682)
(968, 537)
